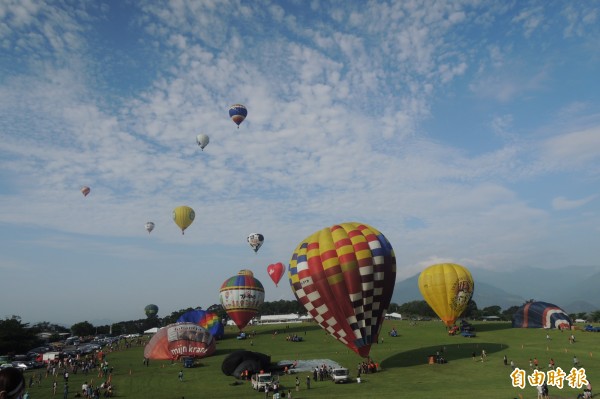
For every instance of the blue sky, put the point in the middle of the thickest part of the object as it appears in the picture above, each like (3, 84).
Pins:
(465, 131)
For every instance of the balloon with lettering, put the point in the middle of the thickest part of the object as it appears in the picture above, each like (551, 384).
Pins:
(202, 140)
(256, 240)
(344, 275)
(151, 310)
(237, 113)
(205, 319)
(447, 288)
(149, 227)
(183, 216)
(180, 340)
(276, 271)
(85, 190)
(241, 296)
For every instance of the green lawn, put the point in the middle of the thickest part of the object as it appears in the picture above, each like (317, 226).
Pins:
(405, 370)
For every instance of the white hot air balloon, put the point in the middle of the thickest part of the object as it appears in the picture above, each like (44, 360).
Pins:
(202, 140)
(149, 227)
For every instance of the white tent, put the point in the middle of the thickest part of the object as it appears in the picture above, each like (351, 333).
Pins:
(393, 316)
(153, 330)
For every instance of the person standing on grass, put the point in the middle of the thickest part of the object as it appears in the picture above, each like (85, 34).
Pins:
(308, 382)
(180, 375)
(297, 384)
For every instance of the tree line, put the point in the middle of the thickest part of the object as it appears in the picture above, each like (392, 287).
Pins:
(17, 337)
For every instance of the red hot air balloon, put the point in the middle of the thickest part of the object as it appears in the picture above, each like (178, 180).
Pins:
(344, 275)
(241, 296)
(276, 271)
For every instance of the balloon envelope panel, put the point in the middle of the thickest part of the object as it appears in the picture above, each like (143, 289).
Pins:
(204, 319)
(447, 288)
(344, 275)
(179, 340)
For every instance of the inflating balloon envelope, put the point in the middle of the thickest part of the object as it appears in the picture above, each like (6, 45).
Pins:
(447, 288)
(180, 340)
(344, 275)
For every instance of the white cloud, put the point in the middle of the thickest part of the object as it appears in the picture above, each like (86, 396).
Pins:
(562, 203)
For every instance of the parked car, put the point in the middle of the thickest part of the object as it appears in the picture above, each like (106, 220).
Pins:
(340, 375)
(591, 328)
(20, 365)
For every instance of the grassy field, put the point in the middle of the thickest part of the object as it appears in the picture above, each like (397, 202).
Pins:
(405, 371)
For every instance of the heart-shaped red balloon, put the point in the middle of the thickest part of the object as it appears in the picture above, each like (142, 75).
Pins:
(276, 272)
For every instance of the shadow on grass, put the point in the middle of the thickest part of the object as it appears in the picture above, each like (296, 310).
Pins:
(492, 326)
(451, 352)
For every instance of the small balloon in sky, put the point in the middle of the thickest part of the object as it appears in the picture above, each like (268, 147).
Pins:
(237, 113)
(183, 216)
(149, 227)
(202, 140)
(256, 240)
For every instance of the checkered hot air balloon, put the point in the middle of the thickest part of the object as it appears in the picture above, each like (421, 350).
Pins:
(241, 296)
(344, 275)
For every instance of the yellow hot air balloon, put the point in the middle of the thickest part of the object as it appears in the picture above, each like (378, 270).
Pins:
(183, 217)
(447, 288)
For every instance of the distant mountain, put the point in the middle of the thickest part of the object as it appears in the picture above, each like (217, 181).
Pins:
(575, 289)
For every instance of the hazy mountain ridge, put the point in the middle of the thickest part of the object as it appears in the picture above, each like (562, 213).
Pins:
(575, 289)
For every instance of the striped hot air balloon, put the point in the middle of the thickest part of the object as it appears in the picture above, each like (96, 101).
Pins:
(237, 113)
(344, 275)
(241, 296)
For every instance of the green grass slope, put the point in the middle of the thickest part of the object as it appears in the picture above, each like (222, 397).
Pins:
(404, 361)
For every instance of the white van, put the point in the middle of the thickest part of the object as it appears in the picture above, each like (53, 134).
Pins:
(340, 375)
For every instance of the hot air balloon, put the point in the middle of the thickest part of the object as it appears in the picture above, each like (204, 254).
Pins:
(447, 288)
(256, 241)
(344, 275)
(237, 113)
(183, 217)
(276, 271)
(202, 140)
(207, 320)
(151, 310)
(241, 296)
(85, 190)
(178, 340)
(149, 227)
